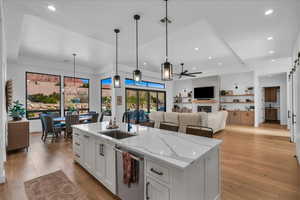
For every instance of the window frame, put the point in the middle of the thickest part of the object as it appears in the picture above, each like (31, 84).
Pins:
(138, 99)
(147, 86)
(101, 93)
(63, 82)
(26, 95)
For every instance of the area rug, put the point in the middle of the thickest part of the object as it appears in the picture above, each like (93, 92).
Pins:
(54, 186)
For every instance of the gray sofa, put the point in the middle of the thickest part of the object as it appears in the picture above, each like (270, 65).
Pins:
(214, 120)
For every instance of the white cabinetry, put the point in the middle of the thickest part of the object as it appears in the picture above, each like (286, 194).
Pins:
(199, 181)
(97, 156)
(156, 191)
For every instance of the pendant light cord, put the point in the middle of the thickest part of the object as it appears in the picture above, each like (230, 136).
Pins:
(117, 53)
(167, 55)
(137, 41)
(74, 55)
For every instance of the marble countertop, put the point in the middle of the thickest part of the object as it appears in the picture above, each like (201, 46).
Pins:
(174, 148)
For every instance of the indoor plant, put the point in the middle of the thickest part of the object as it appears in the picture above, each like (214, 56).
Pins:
(17, 111)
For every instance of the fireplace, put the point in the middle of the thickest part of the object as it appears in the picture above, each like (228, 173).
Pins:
(204, 109)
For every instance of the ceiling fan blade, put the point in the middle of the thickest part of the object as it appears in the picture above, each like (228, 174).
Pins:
(189, 75)
(196, 73)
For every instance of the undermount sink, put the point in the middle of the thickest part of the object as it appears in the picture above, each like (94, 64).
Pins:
(117, 134)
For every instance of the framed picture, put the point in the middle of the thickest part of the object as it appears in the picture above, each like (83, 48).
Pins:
(119, 100)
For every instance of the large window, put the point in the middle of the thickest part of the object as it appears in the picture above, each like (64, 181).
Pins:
(42, 94)
(106, 96)
(76, 94)
(146, 100)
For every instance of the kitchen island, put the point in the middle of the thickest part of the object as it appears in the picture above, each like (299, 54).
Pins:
(177, 166)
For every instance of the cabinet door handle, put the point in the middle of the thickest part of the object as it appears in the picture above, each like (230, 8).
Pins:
(156, 172)
(86, 136)
(77, 143)
(147, 190)
(78, 156)
(76, 134)
(101, 149)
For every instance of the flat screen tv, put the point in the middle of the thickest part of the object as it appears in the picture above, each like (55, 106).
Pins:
(204, 93)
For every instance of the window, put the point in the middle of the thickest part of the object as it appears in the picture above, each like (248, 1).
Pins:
(42, 94)
(130, 82)
(146, 100)
(76, 94)
(106, 96)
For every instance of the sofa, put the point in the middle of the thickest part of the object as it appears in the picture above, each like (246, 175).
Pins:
(215, 120)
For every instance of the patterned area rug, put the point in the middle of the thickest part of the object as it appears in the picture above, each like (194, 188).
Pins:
(54, 186)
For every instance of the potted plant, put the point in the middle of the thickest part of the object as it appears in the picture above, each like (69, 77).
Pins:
(17, 111)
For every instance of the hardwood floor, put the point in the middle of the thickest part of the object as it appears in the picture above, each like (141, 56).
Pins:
(255, 166)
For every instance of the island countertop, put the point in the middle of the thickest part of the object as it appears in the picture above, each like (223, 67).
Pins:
(173, 148)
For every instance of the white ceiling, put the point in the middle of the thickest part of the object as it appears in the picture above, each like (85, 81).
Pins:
(233, 32)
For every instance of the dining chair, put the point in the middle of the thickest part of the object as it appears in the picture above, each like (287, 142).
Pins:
(169, 127)
(200, 131)
(70, 120)
(50, 128)
(95, 117)
(43, 125)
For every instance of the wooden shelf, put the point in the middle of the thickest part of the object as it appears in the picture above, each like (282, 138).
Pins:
(252, 102)
(205, 101)
(238, 95)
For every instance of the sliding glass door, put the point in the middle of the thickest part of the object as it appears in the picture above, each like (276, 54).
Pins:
(146, 100)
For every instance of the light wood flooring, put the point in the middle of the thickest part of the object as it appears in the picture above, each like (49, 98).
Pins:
(256, 165)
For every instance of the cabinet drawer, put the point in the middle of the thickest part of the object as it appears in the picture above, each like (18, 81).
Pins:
(160, 172)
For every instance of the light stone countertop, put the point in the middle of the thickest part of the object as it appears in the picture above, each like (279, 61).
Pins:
(173, 148)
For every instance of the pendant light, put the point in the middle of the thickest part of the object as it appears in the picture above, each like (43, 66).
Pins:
(117, 79)
(166, 67)
(137, 74)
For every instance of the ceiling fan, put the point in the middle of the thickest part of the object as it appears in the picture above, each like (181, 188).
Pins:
(185, 72)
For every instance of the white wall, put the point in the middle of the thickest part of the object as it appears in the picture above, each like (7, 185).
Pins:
(274, 81)
(16, 72)
(3, 114)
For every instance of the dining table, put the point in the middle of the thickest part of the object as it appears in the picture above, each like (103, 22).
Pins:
(82, 118)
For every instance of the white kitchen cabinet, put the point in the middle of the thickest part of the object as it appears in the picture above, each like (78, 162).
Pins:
(156, 191)
(97, 156)
(199, 181)
(100, 160)
(105, 164)
(88, 149)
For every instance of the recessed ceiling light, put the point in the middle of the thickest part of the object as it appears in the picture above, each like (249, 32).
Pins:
(209, 57)
(270, 38)
(51, 8)
(273, 60)
(269, 12)
(220, 64)
(196, 48)
(271, 52)
(144, 63)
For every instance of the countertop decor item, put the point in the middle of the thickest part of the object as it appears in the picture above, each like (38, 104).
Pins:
(17, 111)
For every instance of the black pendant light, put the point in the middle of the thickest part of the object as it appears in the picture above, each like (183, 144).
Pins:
(137, 74)
(117, 79)
(166, 67)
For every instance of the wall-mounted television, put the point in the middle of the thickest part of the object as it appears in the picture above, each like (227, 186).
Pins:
(204, 93)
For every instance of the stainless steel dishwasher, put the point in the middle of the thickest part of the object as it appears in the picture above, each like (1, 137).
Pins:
(136, 190)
